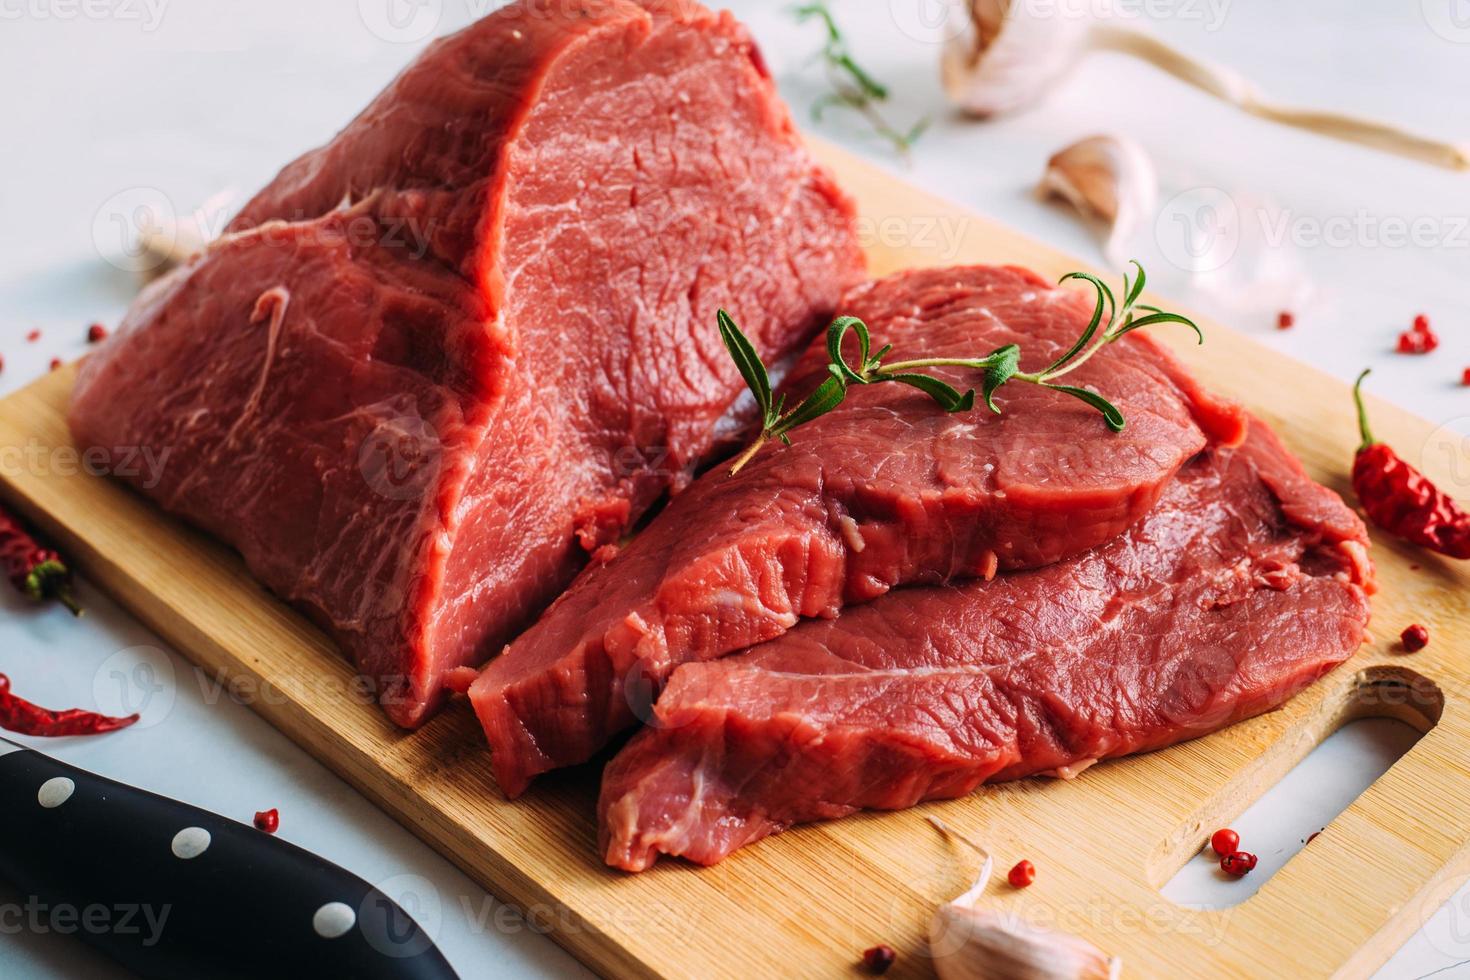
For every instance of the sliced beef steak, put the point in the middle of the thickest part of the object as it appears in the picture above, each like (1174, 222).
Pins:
(885, 490)
(1246, 583)
(474, 336)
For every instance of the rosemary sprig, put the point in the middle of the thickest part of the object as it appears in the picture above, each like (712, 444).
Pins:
(852, 86)
(1000, 367)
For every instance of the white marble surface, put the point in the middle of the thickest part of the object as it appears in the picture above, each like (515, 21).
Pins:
(113, 104)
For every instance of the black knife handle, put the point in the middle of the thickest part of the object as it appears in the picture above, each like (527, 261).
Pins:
(170, 890)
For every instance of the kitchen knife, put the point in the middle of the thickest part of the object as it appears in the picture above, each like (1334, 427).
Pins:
(170, 890)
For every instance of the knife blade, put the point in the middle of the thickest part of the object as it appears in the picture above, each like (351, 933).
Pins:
(171, 890)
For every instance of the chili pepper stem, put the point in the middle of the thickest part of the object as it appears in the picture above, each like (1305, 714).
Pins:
(49, 580)
(66, 598)
(1363, 429)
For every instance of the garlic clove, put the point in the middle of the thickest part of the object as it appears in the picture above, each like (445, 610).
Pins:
(1009, 54)
(1109, 179)
(978, 944)
(970, 943)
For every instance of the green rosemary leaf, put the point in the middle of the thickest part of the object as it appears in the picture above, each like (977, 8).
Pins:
(819, 10)
(852, 85)
(1111, 415)
(1006, 362)
(1157, 316)
(836, 334)
(829, 395)
(1104, 300)
(948, 397)
(749, 364)
(867, 84)
(1131, 294)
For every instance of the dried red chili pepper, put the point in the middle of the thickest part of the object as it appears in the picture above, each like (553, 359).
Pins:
(878, 959)
(19, 715)
(39, 573)
(268, 820)
(1403, 501)
(96, 333)
(1285, 320)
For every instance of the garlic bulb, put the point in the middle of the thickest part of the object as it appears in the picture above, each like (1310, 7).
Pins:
(1107, 178)
(970, 943)
(170, 242)
(167, 247)
(1009, 54)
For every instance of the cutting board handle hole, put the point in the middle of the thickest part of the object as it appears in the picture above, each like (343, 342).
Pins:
(1394, 692)
(1356, 736)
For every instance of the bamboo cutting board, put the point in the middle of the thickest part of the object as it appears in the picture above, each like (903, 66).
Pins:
(805, 903)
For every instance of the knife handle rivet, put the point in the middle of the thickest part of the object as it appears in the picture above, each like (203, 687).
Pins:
(333, 919)
(190, 843)
(55, 791)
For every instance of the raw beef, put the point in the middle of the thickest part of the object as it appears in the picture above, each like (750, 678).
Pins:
(886, 490)
(1246, 583)
(473, 337)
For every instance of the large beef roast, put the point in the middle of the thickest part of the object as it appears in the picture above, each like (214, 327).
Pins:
(1245, 583)
(886, 490)
(474, 336)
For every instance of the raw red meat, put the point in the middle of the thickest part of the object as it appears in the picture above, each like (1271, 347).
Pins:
(1247, 582)
(473, 337)
(886, 490)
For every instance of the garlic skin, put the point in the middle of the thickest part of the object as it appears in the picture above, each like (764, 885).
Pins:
(1010, 54)
(970, 943)
(1110, 179)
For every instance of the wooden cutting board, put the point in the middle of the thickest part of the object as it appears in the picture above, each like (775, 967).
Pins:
(807, 902)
